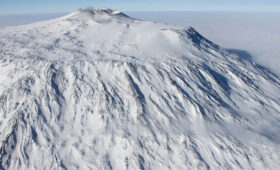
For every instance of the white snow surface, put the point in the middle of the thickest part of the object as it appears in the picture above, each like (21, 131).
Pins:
(97, 89)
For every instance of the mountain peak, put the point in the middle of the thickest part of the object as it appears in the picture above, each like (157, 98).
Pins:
(101, 11)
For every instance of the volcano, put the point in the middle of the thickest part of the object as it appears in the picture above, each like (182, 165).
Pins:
(97, 89)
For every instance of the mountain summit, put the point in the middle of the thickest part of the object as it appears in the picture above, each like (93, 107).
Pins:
(97, 89)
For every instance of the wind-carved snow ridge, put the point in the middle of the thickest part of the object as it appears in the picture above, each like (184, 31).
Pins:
(98, 90)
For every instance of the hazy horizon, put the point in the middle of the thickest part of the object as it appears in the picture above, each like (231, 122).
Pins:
(33, 6)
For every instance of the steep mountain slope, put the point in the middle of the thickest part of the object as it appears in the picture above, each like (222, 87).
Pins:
(97, 89)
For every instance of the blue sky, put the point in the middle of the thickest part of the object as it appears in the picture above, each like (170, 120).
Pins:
(47, 6)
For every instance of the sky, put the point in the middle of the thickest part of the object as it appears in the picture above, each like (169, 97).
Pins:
(8, 7)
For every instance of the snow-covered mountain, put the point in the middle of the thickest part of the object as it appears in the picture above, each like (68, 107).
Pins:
(97, 89)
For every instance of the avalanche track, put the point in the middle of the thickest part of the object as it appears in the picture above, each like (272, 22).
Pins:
(97, 89)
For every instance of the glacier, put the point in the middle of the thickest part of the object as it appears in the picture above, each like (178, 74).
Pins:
(97, 89)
